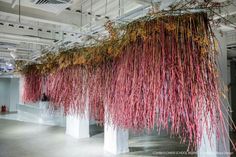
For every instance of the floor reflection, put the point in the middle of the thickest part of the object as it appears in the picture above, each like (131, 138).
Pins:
(33, 140)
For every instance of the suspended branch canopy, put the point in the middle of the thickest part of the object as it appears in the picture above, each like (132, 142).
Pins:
(155, 72)
(112, 47)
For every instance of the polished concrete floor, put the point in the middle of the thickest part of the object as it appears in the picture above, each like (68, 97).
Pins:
(21, 139)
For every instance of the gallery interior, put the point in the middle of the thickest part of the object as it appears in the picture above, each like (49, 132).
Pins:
(109, 78)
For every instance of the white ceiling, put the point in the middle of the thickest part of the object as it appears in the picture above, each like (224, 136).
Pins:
(33, 27)
(27, 30)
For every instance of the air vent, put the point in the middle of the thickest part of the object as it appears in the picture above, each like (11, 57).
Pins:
(52, 1)
(55, 6)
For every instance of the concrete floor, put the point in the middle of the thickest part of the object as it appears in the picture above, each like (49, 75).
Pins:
(21, 139)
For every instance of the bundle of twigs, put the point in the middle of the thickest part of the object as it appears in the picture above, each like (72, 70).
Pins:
(32, 88)
(160, 71)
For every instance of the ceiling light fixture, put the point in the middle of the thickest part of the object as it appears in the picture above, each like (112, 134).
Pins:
(13, 53)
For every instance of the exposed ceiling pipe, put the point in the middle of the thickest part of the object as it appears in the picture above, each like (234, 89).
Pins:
(27, 39)
(13, 4)
(126, 17)
(17, 52)
(6, 57)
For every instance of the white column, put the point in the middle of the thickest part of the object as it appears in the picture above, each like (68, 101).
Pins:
(223, 145)
(21, 87)
(44, 110)
(116, 140)
(14, 94)
(208, 146)
(219, 148)
(77, 127)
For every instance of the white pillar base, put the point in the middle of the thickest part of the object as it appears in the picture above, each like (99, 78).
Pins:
(115, 140)
(77, 127)
(208, 146)
(44, 110)
(218, 148)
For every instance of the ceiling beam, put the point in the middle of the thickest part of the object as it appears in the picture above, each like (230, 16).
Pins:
(7, 53)
(225, 12)
(13, 4)
(23, 30)
(27, 39)
(63, 19)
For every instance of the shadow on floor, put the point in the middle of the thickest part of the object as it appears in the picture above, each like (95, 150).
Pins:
(32, 140)
(95, 129)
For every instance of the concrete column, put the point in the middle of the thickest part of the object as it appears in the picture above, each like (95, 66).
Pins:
(116, 140)
(14, 94)
(44, 110)
(77, 126)
(213, 147)
(233, 88)
(208, 147)
(223, 145)
(21, 87)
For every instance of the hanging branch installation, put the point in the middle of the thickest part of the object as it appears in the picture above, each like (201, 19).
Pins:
(157, 71)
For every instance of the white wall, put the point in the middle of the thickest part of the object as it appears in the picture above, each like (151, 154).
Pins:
(14, 93)
(4, 92)
(9, 92)
(21, 86)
